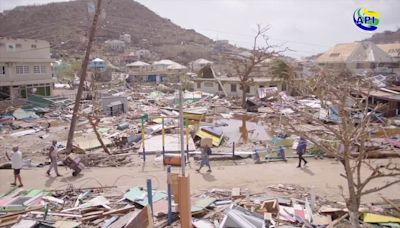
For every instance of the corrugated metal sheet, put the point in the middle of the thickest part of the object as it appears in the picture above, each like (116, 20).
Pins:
(216, 140)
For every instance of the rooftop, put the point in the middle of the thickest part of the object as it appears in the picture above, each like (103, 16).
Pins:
(137, 63)
(355, 52)
(392, 49)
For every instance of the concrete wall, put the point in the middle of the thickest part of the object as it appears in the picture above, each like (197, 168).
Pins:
(211, 86)
(207, 86)
(34, 50)
(24, 52)
(12, 78)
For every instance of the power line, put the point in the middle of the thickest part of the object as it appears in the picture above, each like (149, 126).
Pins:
(248, 35)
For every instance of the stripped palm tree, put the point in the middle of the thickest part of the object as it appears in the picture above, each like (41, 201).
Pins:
(282, 70)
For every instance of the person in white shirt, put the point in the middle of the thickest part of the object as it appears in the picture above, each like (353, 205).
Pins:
(53, 155)
(16, 165)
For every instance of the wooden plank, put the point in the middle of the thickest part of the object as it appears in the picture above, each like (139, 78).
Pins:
(57, 214)
(100, 212)
(122, 221)
(82, 189)
(25, 223)
(97, 221)
(184, 201)
(119, 211)
(2, 220)
(142, 219)
(270, 206)
(337, 221)
(21, 212)
(391, 203)
(11, 221)
(90, 218)
(386, 132)
(66, 224)
(89, 209)
(53, 199)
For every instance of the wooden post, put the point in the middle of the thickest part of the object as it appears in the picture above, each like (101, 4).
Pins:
(184, 201)
(94, 120)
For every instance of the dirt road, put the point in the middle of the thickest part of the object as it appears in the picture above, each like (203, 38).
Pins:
(321, 175)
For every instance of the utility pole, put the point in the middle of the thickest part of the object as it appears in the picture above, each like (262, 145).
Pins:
(82, 77)
(181, 128)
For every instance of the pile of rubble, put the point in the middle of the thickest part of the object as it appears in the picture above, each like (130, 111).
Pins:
(106, 206)
(234, 132)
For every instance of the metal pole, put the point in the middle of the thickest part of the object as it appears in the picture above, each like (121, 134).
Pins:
(169, 192)
(233, 150)
(150, 195)
(163, 140)
(181, 127)
(144, 150)
(187, 140)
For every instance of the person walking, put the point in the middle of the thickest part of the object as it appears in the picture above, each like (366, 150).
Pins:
(53, 155)
(205, 153)
(301, 150)
(281, 153)
(16, 165)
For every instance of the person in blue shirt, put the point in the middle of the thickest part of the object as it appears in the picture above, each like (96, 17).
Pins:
(301, 150)
(281, 153)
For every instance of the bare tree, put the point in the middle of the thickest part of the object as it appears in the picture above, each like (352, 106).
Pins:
(348, 140)
(245, 65)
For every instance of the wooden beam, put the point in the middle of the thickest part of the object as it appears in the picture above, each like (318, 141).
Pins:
(337, 221)
(22, 212)
(57, 214)
(184, 201)
(82, 189)
(10, 221)
(119, 211)
(391, 203)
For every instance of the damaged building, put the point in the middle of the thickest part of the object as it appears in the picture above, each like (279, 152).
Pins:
(25, 68)
(359, 58)
(208, 81)
(159, 71)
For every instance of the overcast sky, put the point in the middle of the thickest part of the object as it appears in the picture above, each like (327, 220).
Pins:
(305, 26)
